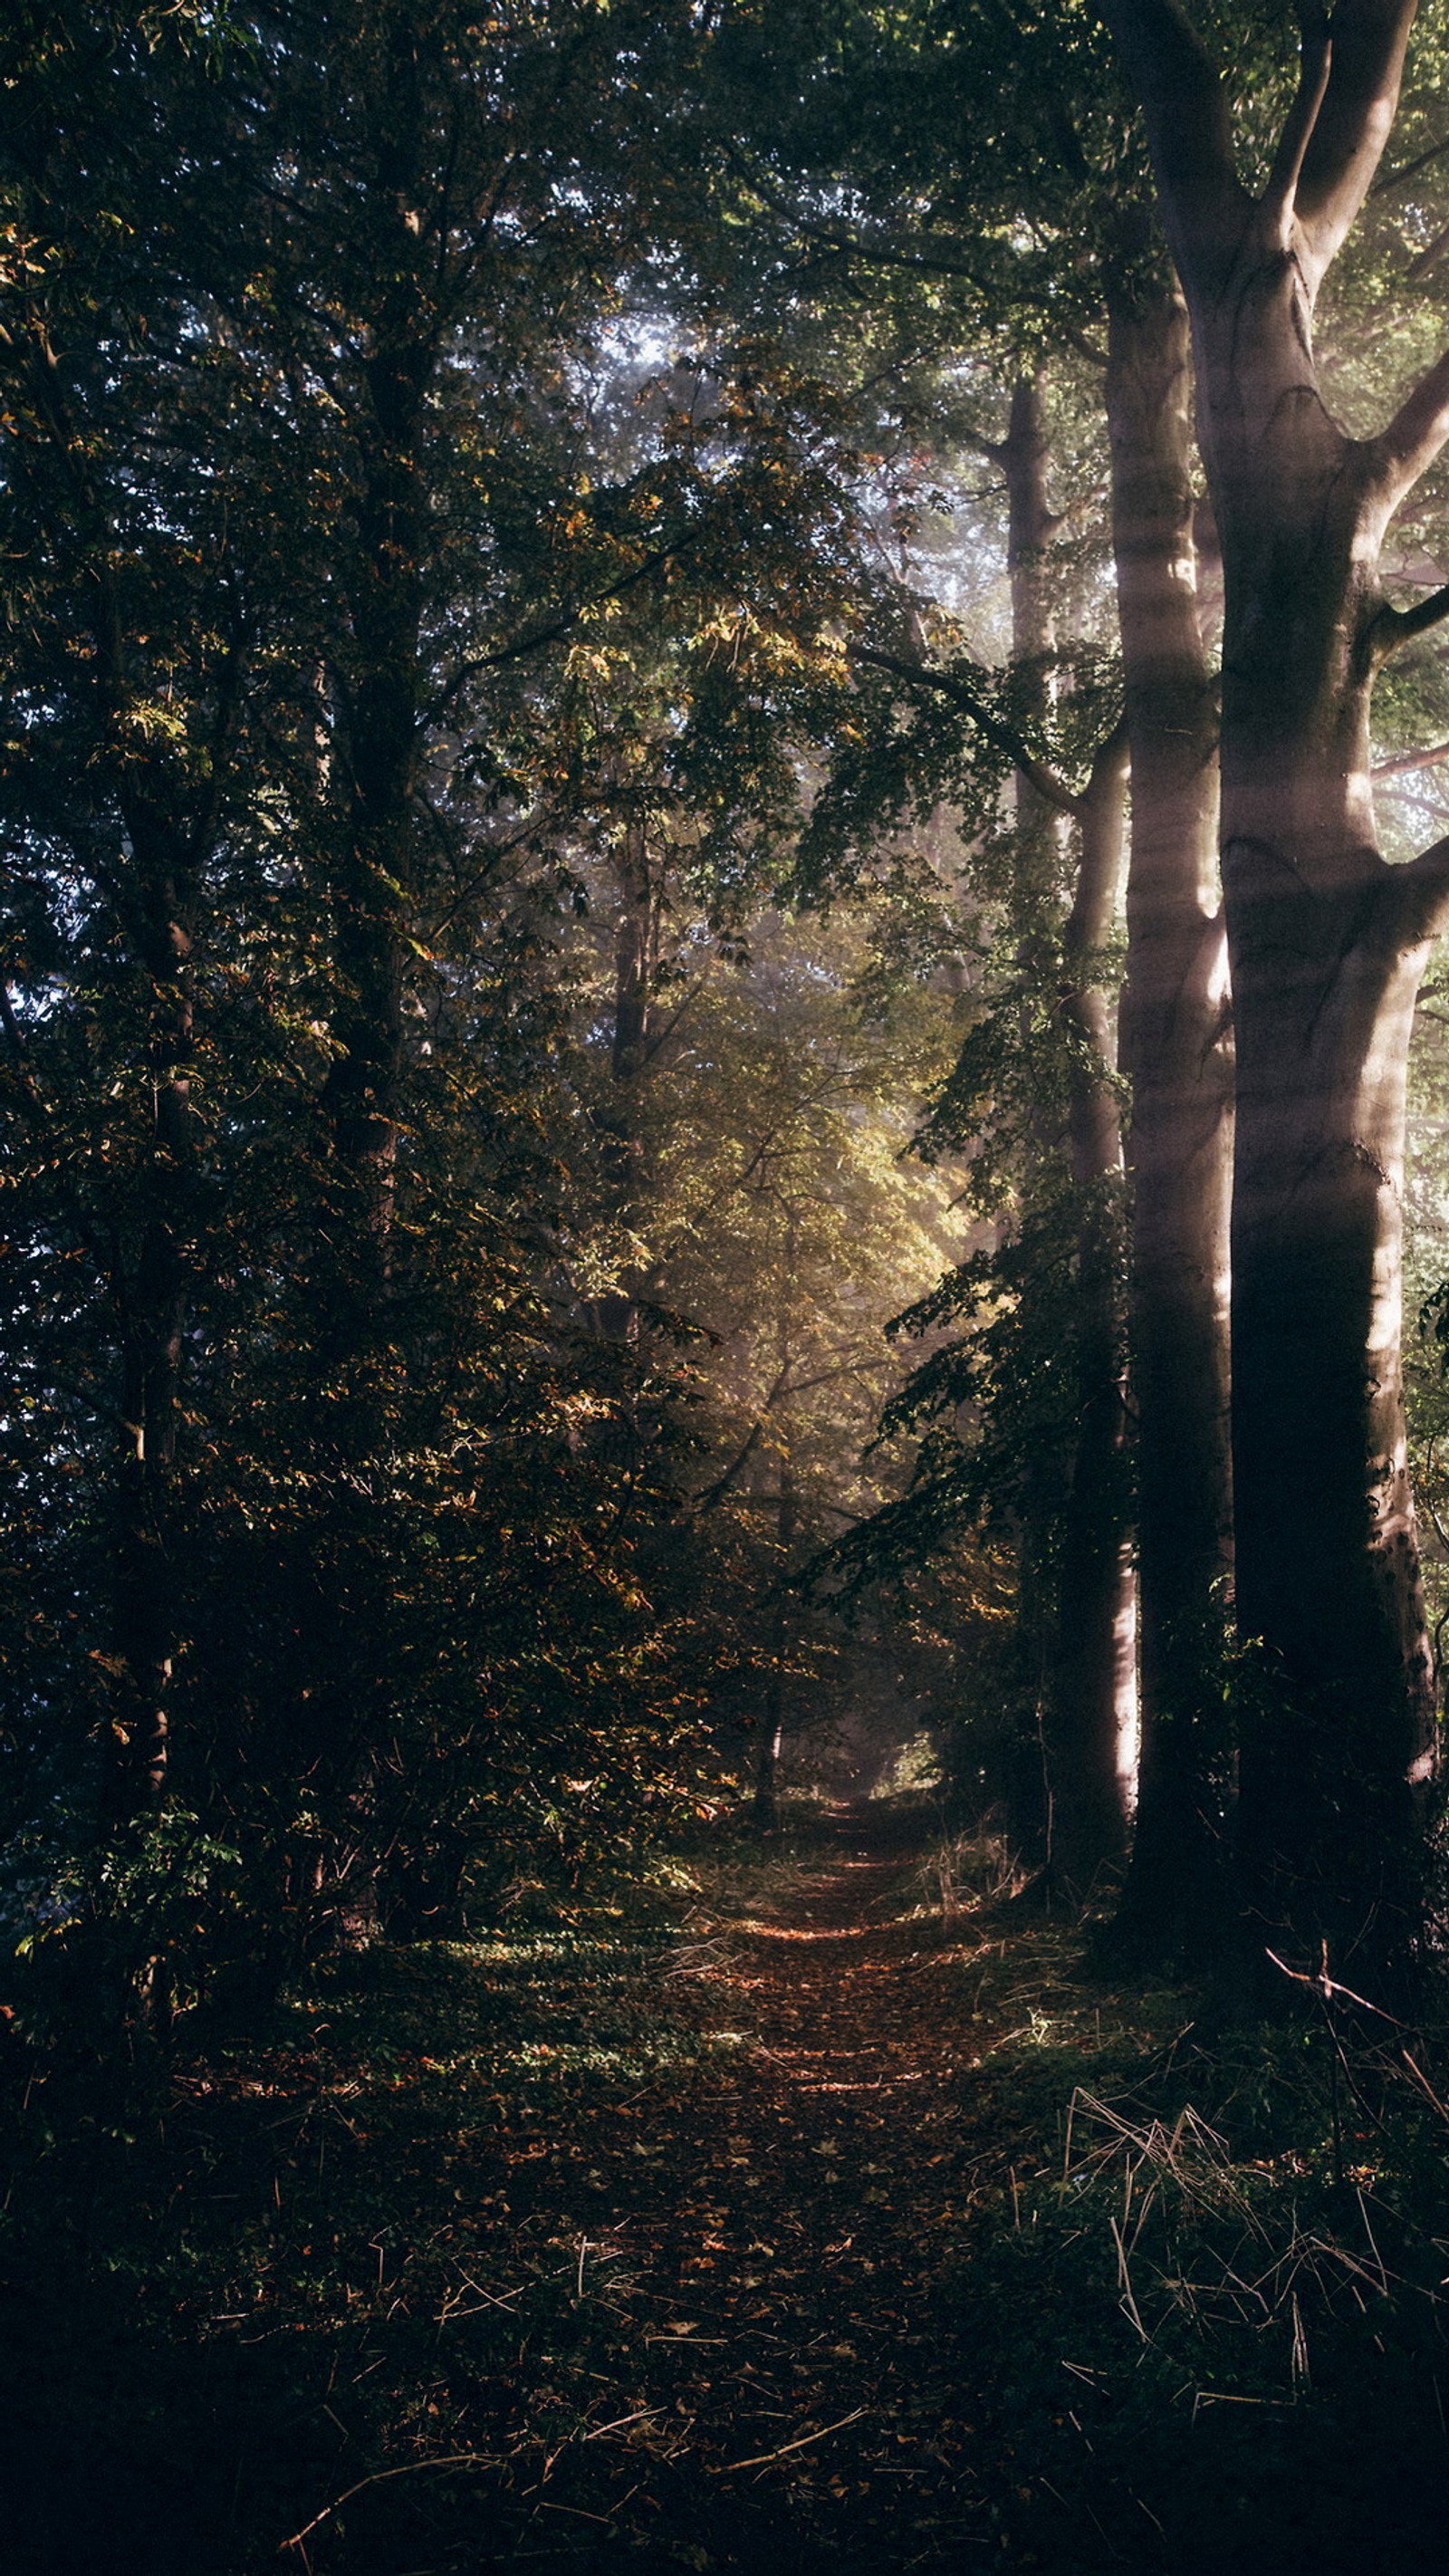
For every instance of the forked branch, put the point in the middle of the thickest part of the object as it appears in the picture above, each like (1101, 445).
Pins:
(1314, 66)
(1102, 806)
(1369, 38)
(1332, 139)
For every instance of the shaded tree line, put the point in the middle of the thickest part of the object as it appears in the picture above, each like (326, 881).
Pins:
(611, 614)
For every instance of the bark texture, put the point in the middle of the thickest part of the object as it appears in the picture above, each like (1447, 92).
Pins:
(1176, 1052)
(1094, 1728)
(1079, 1618)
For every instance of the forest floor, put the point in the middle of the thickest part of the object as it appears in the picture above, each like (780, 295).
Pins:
(834, 2217)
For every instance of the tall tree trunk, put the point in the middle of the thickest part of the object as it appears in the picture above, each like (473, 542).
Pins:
(1327, 945)
(633, 956)
(1176, 1053)
(1078, 1621)
(1038, 1817)
(1092, 1731)
(379, 679)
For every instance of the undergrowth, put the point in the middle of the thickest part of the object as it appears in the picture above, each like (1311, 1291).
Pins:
(1216, 2336)
(765, 2219)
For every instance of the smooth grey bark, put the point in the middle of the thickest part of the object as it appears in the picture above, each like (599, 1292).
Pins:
(1327, 945)
(1078, 1619)
(1176, 1052)
(1093, 1728)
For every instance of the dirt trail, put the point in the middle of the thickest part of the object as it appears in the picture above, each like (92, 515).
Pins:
(785, 2208)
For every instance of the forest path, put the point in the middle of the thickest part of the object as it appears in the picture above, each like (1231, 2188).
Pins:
(625, 2240)
(595, 2241)
(785, 2206)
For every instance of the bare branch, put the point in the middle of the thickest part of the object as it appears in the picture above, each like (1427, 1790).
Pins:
(1400, 178)
(1421, 264)
(1315, 63)
(992, 448)
(1002, 737)
(1413, 438)
(1395, 626)
(1093, 350)
(694, 1506)
(1420, 893)
(1369, 38)
(1399, 762)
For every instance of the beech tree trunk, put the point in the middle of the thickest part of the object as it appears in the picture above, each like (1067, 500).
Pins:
(1078, 1622)
(1327, 946)
(1037, 1815)
(1092, 1737)
(1176, 1052)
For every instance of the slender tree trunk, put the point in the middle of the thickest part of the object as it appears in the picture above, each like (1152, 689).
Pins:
(378, 681)
(1176, 1052)
(1092, 1737)
(633, 956)
(772, 1731)
(1038, 1819)
(1077, 1619)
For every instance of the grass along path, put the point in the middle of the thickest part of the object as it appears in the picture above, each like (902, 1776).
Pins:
(754, 2240)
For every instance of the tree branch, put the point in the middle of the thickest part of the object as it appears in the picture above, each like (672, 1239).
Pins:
(1102, 806)
(1094, 351)
(1399, 763)
(1421, 894)
(1188, 128)
(1002, 737)
(1400, 178)
(993, 448)
(695, 1506)
(1395, 626)
(1352, 127)
(1315, 64)
(1413, 438)
(1424, 260)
